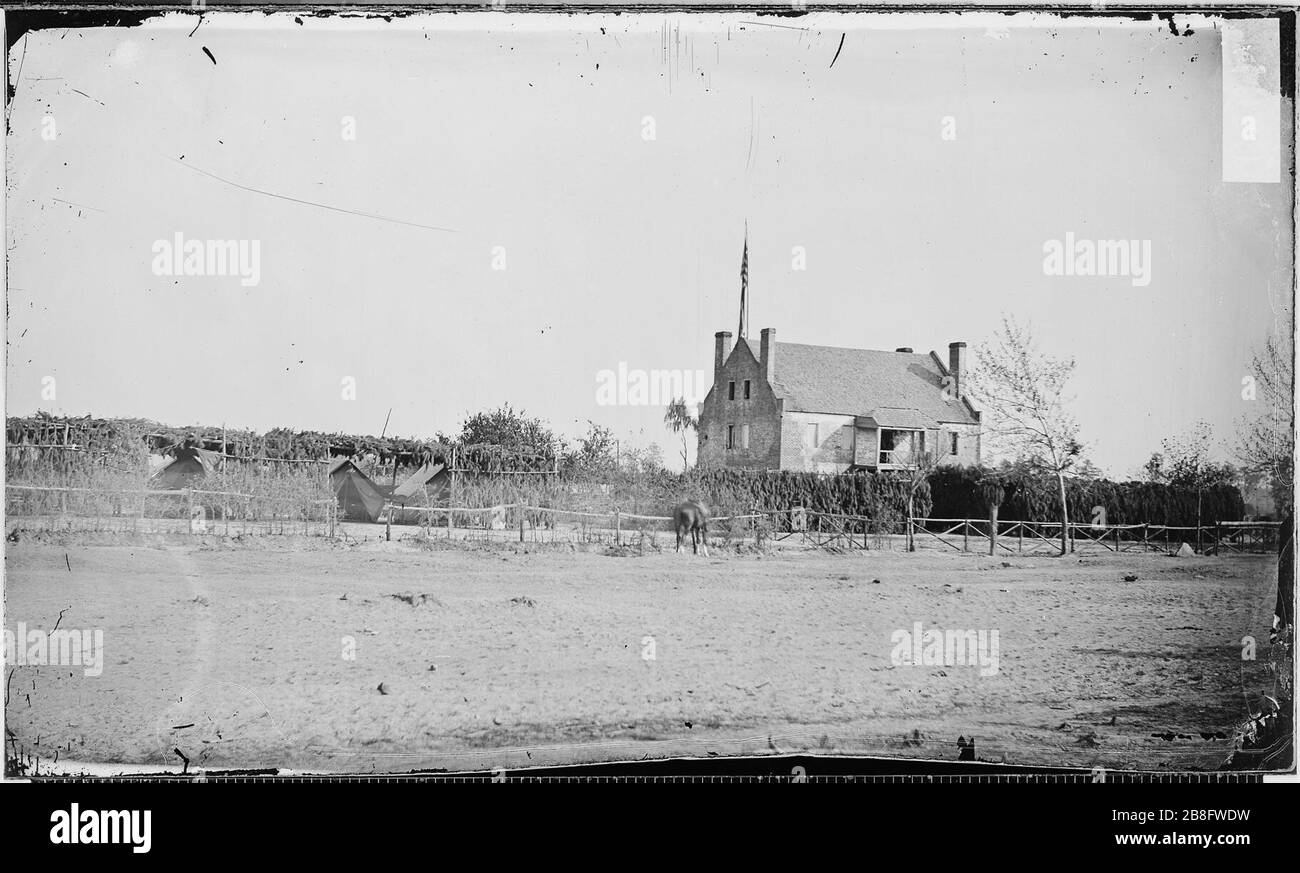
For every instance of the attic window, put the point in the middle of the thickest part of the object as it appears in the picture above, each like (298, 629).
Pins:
(731, 390)
(952, 449)
(746, 389)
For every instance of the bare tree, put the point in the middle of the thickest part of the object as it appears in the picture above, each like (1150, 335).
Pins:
(918, 462)
(680, 421)
(1185, 463)
(1022, 393)
(1266, 439)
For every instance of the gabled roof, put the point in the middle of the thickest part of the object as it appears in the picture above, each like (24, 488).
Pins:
(902, 389)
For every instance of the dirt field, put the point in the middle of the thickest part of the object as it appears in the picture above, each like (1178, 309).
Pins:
(237, 655)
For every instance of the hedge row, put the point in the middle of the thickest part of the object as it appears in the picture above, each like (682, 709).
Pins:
(875, 495)
(956, 494)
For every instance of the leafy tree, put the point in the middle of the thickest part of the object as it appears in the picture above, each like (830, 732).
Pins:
(643, 461)
(1154, 469)
(595, 451)
(509, 429)
(1186, 462)
(681, 421)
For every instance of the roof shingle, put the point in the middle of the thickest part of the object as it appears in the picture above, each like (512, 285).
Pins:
(892, 387)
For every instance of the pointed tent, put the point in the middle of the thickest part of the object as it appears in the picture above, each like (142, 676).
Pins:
(188, 467)
(429, 474)
(359, 498)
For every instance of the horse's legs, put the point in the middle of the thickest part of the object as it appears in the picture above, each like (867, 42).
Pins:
(704, 540)
(679, 538)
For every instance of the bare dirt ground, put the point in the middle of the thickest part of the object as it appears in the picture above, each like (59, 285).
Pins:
(271, 653)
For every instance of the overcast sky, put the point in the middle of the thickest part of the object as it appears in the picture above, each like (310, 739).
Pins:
(528, 133)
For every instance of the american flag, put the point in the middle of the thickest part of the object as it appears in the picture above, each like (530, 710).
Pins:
(744, 288)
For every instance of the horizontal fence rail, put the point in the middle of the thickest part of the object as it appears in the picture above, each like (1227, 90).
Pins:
(190, 510)
(537, 520)
(1021, 537)
(204, 511)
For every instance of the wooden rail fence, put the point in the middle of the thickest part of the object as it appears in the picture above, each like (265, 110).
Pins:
(819, 529)
(247, 511)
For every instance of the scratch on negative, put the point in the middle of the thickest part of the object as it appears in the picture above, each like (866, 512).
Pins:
(838, 50)
(749, 157)
(253, 190)
(88, 97)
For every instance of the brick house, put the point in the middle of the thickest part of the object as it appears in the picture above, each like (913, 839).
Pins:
(788, 406)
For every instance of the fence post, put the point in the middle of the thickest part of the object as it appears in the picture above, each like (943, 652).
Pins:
(1020, 541)
(993, 529)
(965, 536)
(388, 525)
(618, 527)
(521, 526)
(189, 509)
(1116, 540)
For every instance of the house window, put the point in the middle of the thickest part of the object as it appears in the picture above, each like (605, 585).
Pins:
(952, 449)
(731, 390)
(811, 437)
(746, 389)
(901, 447)
(731, 433)
(744, 434)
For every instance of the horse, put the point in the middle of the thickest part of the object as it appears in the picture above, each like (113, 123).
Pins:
(693, 517)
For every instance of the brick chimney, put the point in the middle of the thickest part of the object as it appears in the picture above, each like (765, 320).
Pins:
(721, 349)
(957, 367)
(767, 353)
